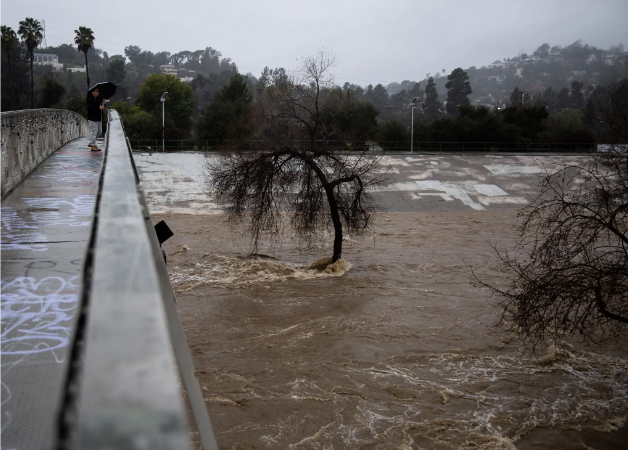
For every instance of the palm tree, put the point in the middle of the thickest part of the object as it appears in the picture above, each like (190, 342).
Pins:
(9, 41)
(31, 33)
(84, 40)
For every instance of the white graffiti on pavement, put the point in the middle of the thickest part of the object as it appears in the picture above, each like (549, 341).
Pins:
(14, 236)
(81, 210)
(37, 314)
(21, 234)
(69, 175)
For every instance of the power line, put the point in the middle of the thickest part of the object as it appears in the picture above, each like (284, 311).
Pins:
(71, 32)
(56, 41)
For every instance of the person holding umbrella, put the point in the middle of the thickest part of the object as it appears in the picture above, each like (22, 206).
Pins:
(95, 105)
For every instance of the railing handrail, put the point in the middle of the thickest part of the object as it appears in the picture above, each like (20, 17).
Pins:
(123, 363)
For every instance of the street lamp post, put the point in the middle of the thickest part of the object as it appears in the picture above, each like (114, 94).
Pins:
(163, 121)
(413, 102)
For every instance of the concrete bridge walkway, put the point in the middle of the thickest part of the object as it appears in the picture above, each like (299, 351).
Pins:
(93, 352)
(46, 224)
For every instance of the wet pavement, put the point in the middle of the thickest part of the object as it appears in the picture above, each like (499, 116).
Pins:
(46, 224)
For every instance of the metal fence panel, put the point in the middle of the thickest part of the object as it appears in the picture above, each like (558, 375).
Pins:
(388, 146)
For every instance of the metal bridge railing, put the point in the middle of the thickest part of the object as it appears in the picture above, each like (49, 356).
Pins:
(389, 146)
(129, 350)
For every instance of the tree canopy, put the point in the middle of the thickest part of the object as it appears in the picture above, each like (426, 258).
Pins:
(31, 33)
(51, 92)
(432, 105)
(84, 41)
(179, 104)
(9, 45)
(458, 91)
(138, 124)
(230, 103)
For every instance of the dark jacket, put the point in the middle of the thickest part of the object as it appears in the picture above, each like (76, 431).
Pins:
(93, 108)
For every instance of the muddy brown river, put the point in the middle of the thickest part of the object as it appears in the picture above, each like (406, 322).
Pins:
(393, 348)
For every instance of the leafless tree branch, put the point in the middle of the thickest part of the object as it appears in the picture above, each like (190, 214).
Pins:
(569, 266)
(289, 161)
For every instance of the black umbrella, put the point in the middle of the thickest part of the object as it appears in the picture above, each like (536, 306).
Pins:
(106, 89)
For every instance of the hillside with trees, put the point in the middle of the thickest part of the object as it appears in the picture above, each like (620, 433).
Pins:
(548, 95)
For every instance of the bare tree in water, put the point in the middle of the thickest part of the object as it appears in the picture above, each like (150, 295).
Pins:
(291, 155)
(569, 266)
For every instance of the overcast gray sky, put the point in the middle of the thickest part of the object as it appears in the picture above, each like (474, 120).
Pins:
(375, 41)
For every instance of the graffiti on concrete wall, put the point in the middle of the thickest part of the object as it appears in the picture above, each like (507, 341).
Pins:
(26, 127)
(30, 136)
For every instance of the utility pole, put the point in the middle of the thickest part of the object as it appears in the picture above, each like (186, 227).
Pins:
(412, 102)
(163, 121)
(43, 25)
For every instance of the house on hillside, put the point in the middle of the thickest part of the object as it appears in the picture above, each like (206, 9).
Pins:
(49, 59)
(499, 79)
(610, 60)
(186, 75)
(592, 58)
(168, 69)
(577, 74)
(182, 74)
